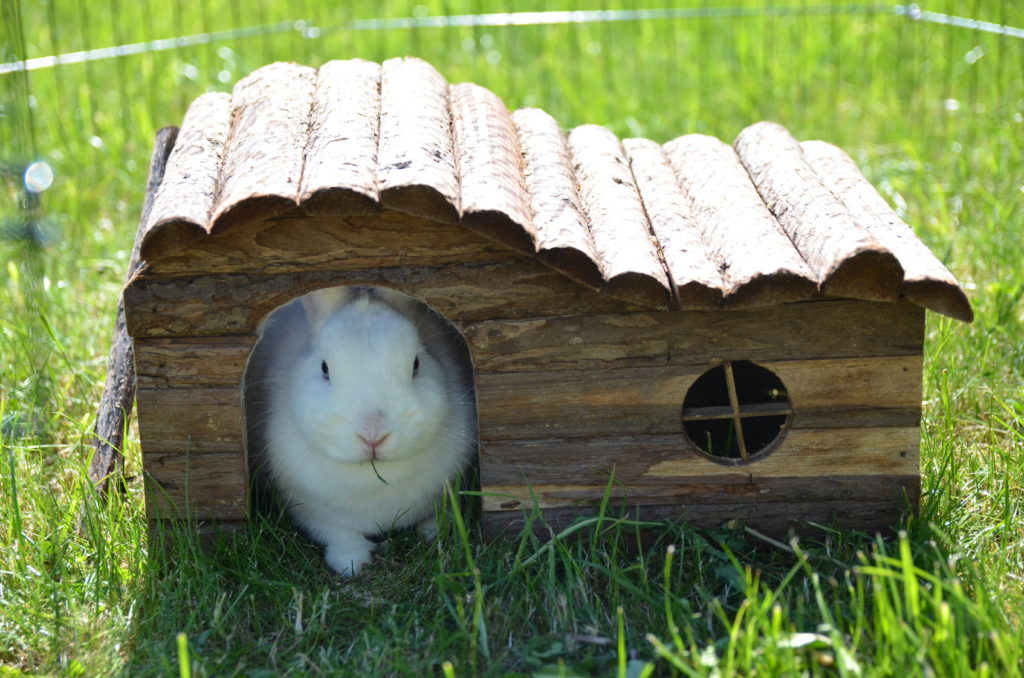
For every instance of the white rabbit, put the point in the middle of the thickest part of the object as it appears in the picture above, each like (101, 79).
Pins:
(369, 411)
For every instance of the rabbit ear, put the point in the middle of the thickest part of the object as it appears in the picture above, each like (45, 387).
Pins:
(320, 304)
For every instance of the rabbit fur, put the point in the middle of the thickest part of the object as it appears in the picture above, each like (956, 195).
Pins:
(362, 402)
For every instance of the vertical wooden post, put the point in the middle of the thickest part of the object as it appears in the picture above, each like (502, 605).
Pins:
(119, 389)
(734, 403)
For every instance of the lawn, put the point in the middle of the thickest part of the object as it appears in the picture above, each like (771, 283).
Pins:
(933, 113)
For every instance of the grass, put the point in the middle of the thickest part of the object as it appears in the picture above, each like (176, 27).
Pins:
(933, 114)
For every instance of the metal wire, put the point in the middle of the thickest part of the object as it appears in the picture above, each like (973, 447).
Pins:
(309, 30)
(915, 13)
(162, 45)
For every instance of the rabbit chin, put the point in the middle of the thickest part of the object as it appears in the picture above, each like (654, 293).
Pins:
(357, 452)
(397, 446)
(324, 494)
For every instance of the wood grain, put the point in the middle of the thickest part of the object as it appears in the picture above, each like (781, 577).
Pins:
(776, 519)
(706, 490)
(416, 167)
(233, 304)
(262, 167)
(209, 486)
(819, 329)
(494, 200)
(757, 262)
(339, 176)
(525, 406)
(696, 282)
(297, 242)
(628, 255)
(648, 400)
(561, 235)
(669, 459)
(845, 258)
(546, 344)
(926, 282)
(182, 205)
(115, 407)
(194, 421)
(190, 362)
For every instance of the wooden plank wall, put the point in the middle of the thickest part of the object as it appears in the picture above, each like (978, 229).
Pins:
(566, 399)
(564, 402)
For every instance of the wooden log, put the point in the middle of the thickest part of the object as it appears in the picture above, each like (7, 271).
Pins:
(493, 197)
(820, 329)
(845, 258)
(696, 282)
(926, 282)
(561, 236)
(705, 490)
(628, 256)
(236, 304)
(648, 400)
(775, 520)
(119, 387)
(262, 167)
(416, 167)
(339, 176)
(297, 242)
(201, 487)
(668, 459)
(182, 205)
(758, 263)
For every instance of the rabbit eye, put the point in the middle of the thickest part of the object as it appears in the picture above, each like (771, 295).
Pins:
(415, 366)
(323, 369)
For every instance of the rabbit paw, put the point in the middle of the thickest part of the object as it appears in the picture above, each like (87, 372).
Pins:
(347, 557)
(428, 529)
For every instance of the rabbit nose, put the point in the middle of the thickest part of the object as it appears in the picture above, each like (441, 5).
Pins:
(374, 425)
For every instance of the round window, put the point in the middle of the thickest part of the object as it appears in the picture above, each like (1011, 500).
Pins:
(736, 412)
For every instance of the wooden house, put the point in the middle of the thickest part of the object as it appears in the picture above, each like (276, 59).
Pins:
(732, 331)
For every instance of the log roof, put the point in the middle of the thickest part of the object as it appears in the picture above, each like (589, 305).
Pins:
(694, 223)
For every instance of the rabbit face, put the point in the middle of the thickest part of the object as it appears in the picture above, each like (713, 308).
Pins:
(368, 390)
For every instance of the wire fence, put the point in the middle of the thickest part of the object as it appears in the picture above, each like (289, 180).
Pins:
(545, 18)
(86, 84)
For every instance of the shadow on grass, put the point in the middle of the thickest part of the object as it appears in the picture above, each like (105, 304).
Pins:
(606, 594)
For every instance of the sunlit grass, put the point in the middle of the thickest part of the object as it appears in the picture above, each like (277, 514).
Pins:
(933, 114)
